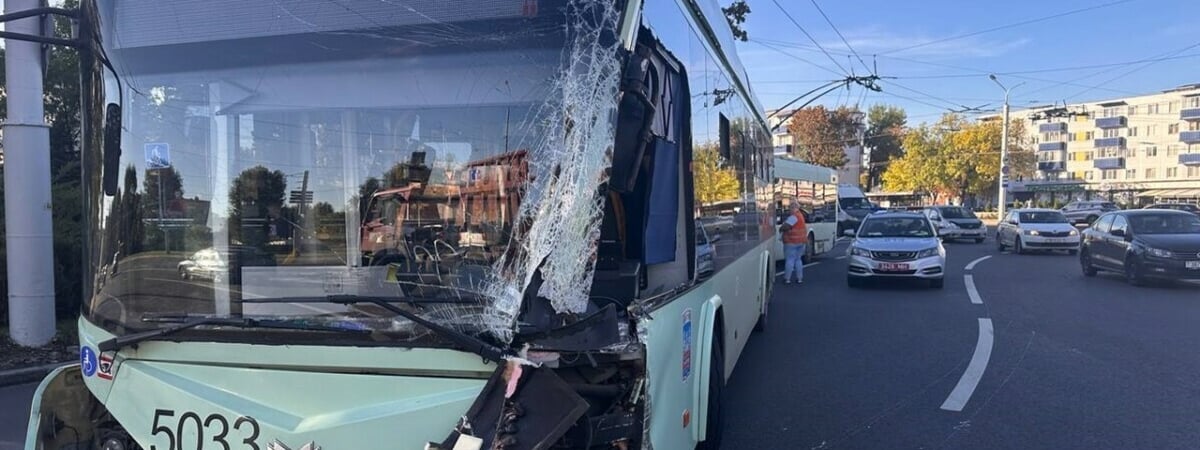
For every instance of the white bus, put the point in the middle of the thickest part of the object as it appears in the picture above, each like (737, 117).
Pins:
(491, 236)
(816, 189)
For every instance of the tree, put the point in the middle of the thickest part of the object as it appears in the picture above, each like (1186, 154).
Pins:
(256, 193)
(736, 13)
(885, 134)
(172, 183)
(956, 158)
(822, 135)
(920, 169)
(713, 181)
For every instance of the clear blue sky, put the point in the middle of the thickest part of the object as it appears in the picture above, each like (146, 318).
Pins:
(1118, 33)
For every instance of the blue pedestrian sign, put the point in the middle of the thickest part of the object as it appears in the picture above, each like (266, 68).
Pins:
(158, 155)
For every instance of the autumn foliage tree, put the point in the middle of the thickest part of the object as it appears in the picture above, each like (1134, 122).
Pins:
(954, 157)
(822, 135)
(714, 180)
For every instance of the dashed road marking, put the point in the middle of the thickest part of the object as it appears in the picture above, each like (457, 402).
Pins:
(969, 280)
(978, 260)
(970, 379)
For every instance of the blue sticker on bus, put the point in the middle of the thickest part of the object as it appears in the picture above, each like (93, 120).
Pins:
(687, 343)
(87, 361)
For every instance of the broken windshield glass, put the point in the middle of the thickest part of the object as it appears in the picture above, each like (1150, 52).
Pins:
(423, 150)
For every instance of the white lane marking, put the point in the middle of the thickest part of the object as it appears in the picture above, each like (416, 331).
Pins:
(971, 291)
(978, 260)
(970, 379)
(841, 257)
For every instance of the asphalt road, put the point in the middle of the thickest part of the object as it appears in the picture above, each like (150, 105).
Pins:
(14, 415)
(1075, 362)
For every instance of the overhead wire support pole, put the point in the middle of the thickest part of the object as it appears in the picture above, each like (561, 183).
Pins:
(27, 218)
(1001, 201)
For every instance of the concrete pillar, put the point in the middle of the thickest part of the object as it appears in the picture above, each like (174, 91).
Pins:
(27, 214)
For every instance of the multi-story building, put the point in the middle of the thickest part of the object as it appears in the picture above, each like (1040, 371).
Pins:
(784, 144)
(1133, 150)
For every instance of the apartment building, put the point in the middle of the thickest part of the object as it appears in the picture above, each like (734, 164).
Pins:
(1133, 150)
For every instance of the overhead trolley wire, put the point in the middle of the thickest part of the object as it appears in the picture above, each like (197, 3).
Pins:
(810, 38)
(843, 38)
(1011, 25)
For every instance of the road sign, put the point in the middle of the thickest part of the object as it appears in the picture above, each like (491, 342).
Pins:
(158, 155)
(300, 197)
(1004, 170)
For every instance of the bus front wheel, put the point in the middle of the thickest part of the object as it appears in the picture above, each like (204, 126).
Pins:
(715, 417)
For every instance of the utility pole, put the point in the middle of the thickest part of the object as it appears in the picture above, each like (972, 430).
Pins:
(1003, 149)
(27, 186)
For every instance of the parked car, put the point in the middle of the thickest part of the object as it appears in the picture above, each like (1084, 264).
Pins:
(956, 222)
(210, 264)
(1030, 229)
(705, 252)
(1185, 207)
(896, 245)
(1143, 245)
(1086, 212)
(717, 224)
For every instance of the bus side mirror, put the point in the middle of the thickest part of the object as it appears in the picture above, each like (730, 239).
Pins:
(112, 148)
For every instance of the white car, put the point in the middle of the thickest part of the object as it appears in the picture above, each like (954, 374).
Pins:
(1025, 230)
(896, 245)
(956, 222)
(1086, 212)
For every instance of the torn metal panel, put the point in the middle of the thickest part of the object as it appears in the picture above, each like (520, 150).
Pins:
(520, 408)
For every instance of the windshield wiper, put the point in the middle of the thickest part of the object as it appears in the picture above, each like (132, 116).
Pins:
(488, 352)
(465, 341)
(184, 321)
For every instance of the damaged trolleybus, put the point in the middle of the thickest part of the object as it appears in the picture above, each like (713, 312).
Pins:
(421, 224)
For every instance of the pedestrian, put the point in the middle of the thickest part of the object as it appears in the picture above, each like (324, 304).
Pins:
(794, 232)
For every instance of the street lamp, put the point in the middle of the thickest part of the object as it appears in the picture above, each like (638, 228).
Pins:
(1003, 147)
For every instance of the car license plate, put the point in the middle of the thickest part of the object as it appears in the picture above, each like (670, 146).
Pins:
(893, 267)
(1192, 264)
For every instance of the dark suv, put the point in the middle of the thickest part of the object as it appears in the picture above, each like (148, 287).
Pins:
(1143, 244)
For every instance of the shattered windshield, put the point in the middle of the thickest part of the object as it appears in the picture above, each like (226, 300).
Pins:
(313, 149)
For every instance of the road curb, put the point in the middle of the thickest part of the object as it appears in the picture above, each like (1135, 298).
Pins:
(28, 374)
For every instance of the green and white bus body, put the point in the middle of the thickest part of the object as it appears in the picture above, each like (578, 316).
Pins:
(815, 189)
(422, 225)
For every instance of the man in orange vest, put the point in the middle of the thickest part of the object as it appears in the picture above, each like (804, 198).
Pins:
(795, 237)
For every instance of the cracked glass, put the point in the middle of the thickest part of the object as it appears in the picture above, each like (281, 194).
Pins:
(277, 153)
